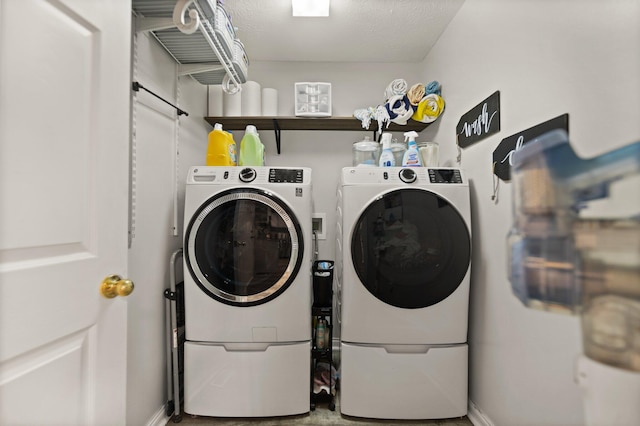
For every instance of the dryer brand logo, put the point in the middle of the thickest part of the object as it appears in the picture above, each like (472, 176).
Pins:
(298, 192)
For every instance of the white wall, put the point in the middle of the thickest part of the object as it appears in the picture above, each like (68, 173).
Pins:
(546, 58)
(157, 173)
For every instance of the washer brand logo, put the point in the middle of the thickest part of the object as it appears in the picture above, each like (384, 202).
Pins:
(298, 192)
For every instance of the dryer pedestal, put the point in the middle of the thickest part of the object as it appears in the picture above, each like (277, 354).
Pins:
(404, 381)
(253, 381)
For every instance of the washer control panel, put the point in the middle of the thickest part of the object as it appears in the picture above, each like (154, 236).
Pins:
(286, 176)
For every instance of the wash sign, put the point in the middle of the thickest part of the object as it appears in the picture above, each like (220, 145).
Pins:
(480, 122)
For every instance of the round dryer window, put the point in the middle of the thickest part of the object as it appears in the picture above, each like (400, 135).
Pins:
(243, 247)
(411, 248)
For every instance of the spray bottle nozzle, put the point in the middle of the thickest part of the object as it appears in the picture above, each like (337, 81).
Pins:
(386, 140)
(410, 136)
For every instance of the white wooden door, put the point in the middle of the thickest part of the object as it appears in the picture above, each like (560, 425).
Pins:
(64, 134)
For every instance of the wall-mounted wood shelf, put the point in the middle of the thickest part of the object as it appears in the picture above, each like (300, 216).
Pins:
(305, 123)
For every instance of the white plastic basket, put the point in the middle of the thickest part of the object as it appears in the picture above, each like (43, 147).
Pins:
(221, 25)
(312, 99)
(240, 61)
(224, 30)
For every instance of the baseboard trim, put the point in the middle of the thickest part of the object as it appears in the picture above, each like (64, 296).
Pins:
(159, 418)
(477, 417)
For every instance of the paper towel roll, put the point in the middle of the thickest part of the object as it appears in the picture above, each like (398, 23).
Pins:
(270, 102)
(251, 99)
(232, 105)
(215, 101)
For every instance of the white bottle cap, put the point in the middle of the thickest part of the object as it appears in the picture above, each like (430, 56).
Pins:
(386, 140)
(251, 129)
(217, 126)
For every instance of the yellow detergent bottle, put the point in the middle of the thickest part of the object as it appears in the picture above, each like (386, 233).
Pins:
(251, 148)
(233, 155)
(222, 149)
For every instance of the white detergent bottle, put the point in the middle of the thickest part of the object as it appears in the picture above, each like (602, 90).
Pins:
(386, 156)
(411, 157)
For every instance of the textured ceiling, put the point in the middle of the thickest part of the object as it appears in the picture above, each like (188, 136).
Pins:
(355, 31)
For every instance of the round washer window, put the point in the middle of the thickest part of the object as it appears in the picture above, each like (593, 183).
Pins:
(411, 248)
(244, 247)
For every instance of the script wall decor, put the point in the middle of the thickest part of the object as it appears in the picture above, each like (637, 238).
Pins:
(480, 122)
(503, 153)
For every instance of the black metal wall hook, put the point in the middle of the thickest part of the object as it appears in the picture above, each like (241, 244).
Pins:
(137, 86)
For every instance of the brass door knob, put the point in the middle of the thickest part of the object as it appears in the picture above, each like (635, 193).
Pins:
(113, 286)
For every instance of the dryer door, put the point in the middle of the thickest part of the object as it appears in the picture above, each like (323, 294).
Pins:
(411, 248)
(244, 247)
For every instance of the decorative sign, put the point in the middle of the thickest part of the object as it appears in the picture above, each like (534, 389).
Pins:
(503, 153)
(482, 121)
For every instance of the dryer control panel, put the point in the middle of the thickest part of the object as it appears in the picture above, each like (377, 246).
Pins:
(445, 176)
(414, 176)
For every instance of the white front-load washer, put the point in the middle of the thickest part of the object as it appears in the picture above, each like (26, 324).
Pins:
(404, 247)
(247, 258)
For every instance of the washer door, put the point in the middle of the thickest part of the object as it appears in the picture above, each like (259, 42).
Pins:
(244, 247)
(411, 248)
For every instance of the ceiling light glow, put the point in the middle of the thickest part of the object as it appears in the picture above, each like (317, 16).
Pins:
(310, 7)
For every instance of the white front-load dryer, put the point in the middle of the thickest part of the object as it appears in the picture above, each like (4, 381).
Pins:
(405, 251)
(247, 259)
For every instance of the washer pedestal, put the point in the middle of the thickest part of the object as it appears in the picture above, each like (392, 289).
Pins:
(404, 381)
(251, 381)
